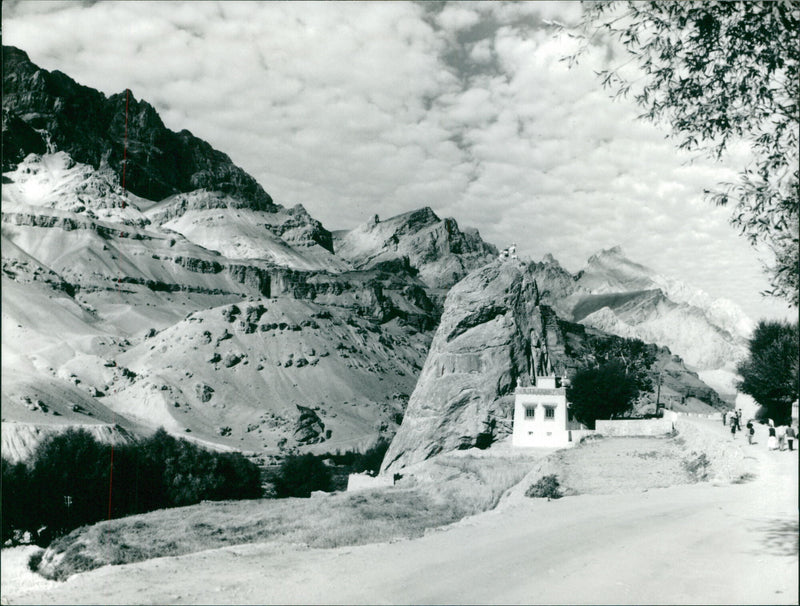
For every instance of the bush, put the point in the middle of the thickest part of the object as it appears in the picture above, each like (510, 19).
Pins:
(545, 487)
(16, 503)
(35, 560)
(357, 462)
(300, 475)
(696, 465)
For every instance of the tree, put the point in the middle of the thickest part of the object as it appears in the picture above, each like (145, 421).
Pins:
(602, 392)
(771, 371)
(16, 503)
(69, 481)
(721, 72)
(300, 475)
(635, 356)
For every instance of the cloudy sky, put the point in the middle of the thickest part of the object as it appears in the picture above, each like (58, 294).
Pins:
(358, 108)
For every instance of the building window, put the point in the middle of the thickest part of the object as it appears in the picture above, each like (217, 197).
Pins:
(530, 413)
(549, 413)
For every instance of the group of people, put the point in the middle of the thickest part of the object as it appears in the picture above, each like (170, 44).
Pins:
(736, 423)
(779, 437)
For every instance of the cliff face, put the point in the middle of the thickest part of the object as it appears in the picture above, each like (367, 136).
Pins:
(481, 347)
(91, 128)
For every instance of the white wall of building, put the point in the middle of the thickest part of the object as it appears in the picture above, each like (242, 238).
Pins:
(541, 430)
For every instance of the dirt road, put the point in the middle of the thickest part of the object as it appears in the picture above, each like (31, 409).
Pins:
(730, 544)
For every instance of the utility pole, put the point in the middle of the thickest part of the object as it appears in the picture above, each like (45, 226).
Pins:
(658, 393)
(68, 504)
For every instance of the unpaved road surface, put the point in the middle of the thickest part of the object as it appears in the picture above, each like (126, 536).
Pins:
(696, 544)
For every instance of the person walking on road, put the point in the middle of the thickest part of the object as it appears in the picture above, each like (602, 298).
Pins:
(790, 435)
(781, 431)
(739, 420)
(733, 426)
(750, 431)
(724, 417)
(772, 440)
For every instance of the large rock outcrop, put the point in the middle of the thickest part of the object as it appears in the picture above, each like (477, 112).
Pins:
(481, 348)
(496, 332)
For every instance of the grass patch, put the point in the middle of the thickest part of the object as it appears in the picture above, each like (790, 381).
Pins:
(455, 486)
(337, 520)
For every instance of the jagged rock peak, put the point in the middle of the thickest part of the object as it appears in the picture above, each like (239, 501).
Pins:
(436, 247)
(91, 128)
(615, 252)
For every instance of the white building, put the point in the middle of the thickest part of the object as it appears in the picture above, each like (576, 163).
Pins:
(542, 416)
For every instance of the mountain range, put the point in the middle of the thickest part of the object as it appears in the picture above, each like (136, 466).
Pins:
(190, 299)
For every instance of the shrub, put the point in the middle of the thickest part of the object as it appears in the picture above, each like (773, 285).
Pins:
(16, 502)
(300, 475)
(357, 462)
(35, 560)
(545, 487)
(696, 465)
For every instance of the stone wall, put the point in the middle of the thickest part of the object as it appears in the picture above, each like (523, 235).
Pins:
(363, 481)
(634, 427)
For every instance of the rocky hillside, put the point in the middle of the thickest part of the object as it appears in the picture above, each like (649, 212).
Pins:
(436, 248)
(45, 110)
(188, 300)
(493, 322)
(135, 324)
(191, 300)
(622, 297)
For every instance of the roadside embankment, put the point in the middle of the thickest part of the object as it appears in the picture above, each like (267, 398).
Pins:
(698, 450)
(728, 456)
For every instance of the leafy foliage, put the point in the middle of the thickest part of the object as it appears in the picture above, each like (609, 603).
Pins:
(635, 356)
(771, 372)
(300, 475)
(157, 472)
(719, 73)
(601, 393)
(356, 462)
(545, 487)
(17, 499)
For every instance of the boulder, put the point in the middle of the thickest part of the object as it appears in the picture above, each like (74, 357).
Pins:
(309, 428)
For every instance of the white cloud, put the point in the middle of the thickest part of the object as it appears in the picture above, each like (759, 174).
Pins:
(357, 108)
(456, 17)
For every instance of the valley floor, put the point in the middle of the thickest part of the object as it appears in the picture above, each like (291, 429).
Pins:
(700, 543)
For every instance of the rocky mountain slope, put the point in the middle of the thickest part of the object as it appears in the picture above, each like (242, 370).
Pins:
(92, 129)
(103, 308)
(617, 295)
(191, 300)
(438, 249)
(493, 320)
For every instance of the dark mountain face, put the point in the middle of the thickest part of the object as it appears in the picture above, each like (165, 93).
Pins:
(91, 128)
